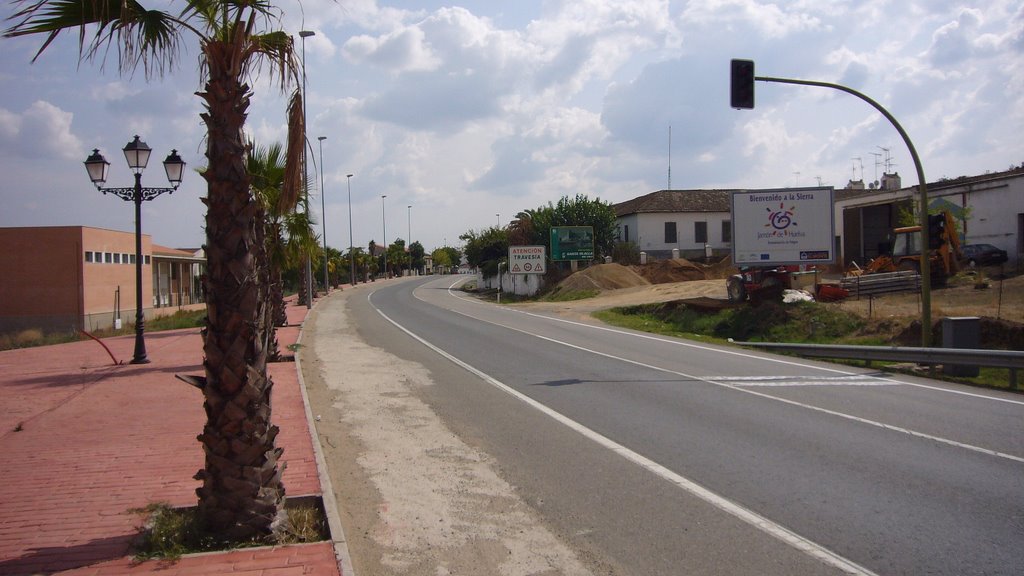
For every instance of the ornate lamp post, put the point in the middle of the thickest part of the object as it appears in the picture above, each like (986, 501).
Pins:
(137, 153)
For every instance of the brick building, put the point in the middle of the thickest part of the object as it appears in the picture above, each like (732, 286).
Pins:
(66, 278)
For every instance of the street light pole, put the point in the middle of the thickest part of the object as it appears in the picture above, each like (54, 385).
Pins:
(323, 212)
(351, 247)
(137, 153)
(305, 173)
(409, 245)
(384, 219)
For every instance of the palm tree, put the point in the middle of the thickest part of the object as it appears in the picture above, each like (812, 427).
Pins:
(289, 234)
(241, 494)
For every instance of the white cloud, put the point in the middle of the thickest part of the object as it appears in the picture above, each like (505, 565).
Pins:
(43, 131)
(401, 51)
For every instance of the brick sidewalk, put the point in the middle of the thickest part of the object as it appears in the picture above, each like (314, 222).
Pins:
(85, 441)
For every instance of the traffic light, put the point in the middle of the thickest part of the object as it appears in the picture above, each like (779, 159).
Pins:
(741, 88)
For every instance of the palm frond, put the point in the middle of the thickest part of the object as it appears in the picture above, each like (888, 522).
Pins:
(150, 38)
(293, 162)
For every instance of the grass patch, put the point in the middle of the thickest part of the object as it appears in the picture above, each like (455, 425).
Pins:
(569, 295)
(169, 533)
(35, 337)
(797, 323)
(803, 322)
(178, 320)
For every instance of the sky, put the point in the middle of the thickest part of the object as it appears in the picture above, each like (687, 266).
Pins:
(464, 114)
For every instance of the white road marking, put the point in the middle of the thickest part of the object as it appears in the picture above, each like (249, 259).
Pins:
(747, 390)
(744, 514)
(790, 381)
(741, 354)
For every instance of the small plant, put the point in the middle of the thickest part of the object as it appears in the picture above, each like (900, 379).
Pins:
(170, 533)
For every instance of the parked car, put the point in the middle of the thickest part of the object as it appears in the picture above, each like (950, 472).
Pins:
(984, 254)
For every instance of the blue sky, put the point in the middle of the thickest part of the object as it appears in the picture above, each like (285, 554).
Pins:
(478, 109)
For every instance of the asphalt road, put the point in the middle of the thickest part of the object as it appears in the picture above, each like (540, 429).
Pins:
(653, 455)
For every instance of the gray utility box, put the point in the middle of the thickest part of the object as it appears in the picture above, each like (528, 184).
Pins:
(961, 332)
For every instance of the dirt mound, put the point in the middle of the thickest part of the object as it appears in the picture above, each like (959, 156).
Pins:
(603, 277)
(665, 271)
(995, 334)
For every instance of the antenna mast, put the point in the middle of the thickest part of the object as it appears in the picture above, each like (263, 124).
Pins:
(669, 157)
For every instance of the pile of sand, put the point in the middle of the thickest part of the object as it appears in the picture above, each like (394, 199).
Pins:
(665, 271)
(603, 277)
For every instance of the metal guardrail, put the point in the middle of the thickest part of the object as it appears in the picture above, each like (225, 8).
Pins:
(1009, 359)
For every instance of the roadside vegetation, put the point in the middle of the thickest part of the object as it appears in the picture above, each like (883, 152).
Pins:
(35, 337)
(169, 533)
(798, 323)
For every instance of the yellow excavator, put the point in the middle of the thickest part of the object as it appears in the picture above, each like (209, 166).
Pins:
(944, 253)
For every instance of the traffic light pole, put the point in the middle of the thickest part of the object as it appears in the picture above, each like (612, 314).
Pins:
(926, 296)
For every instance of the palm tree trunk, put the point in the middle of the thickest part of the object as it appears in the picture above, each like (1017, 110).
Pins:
(242, 495)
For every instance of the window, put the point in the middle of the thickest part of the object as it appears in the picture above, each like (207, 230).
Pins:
(124, 258)
(700, 232)
(117, 258)
(108, 258)
(147, 262)
(132, 256)
(726, 231)
(625, 233)
(88, 256)
(670, 233)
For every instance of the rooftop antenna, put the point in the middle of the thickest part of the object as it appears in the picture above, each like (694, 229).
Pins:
(797, 175)
(819, 180)
(669, 157)
(888, 160)
(877, 156)
(854, 168)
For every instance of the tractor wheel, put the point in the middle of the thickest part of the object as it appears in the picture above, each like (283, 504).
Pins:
(737, 291)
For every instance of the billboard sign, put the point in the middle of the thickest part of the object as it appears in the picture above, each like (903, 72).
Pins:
(572, 243)
(783, 226)
(527, 259)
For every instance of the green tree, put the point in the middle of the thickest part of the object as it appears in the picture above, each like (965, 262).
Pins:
(534, 226)
(417, 253)
(446, 257)
(485, 249)
(397, 258)
(288, 228)
(241, 494)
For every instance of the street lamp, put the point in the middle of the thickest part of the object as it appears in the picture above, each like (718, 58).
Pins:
(323, 211)
(137, 154)
(305, 176)
(351, 247)
(409, 245)
(384, 219)
(498, 216)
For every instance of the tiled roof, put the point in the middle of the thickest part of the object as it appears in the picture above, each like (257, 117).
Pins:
(172, 252)
(678, 201)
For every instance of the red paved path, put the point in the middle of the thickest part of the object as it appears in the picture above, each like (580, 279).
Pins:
(97, 440)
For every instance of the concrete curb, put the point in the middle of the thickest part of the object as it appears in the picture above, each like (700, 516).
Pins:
(341, 552)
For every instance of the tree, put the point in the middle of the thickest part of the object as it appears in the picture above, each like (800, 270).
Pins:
(446, 257)
(242, 495)
(484, 250)
(289, 234)
(534, 226)
(416, 253)
(397, 257)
